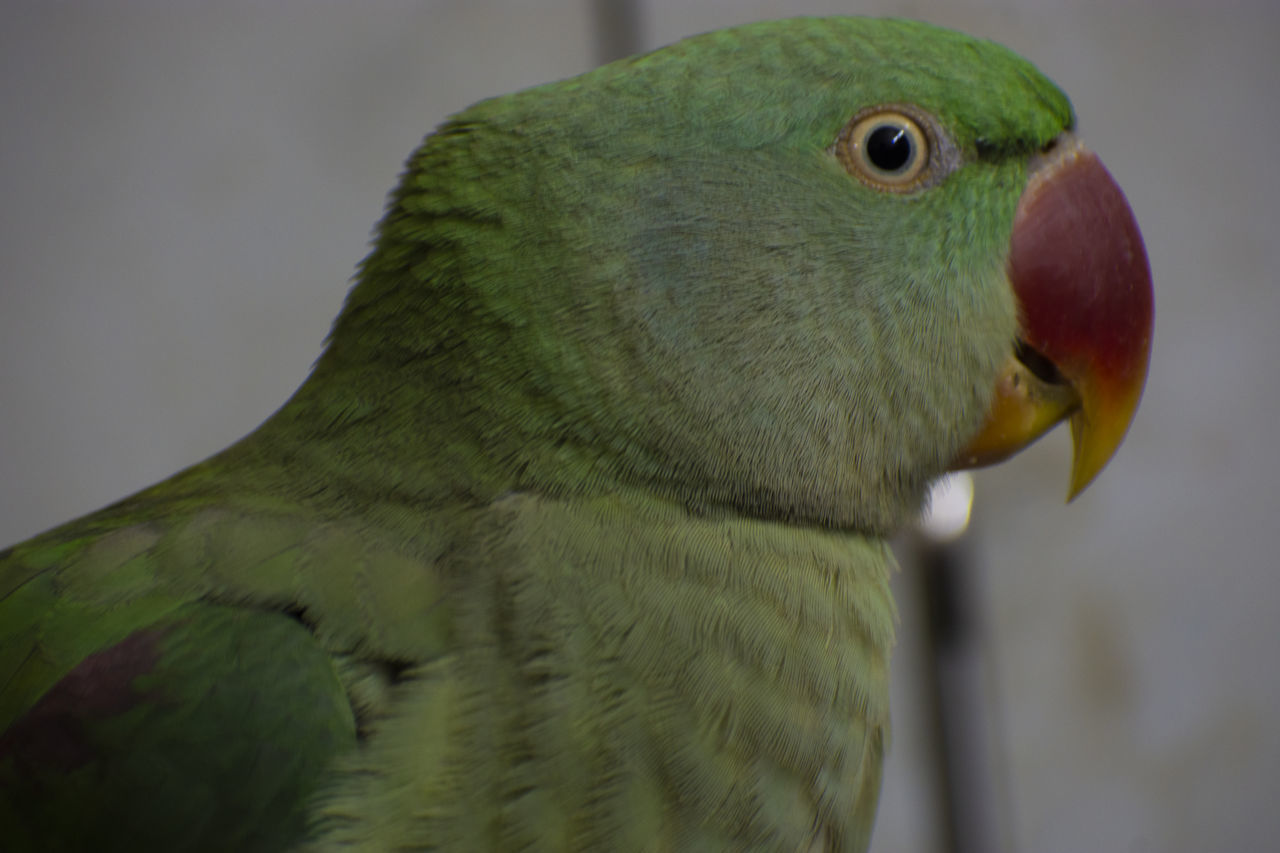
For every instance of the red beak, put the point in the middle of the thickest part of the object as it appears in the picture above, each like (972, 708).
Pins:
(1080, 275)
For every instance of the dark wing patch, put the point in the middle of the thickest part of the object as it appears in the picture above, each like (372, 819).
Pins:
(52, 735)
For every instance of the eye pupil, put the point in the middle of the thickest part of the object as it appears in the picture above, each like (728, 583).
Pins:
(889, 148)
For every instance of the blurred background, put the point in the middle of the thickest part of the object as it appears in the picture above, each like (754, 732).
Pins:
(186, 189)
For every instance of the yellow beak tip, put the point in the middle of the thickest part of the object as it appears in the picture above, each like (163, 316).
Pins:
(1096, 433)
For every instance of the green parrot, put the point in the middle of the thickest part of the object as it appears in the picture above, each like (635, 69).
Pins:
(575, 537)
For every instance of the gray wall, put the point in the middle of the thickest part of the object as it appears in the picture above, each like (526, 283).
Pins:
(186, 188)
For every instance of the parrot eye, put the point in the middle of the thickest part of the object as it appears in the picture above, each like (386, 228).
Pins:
(889, 149)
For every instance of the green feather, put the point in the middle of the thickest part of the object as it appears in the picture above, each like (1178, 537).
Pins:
(574, 537)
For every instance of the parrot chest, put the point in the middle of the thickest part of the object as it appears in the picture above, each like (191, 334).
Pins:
(628, 677)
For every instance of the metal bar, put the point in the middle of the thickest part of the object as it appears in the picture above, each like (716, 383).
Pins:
(617, 29)
(961, 707)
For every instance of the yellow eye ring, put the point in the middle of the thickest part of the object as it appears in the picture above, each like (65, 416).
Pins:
(887, 149)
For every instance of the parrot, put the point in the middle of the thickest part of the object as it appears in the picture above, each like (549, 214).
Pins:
(577, 534)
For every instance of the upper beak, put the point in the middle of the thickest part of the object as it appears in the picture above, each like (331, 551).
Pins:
(1083, 286)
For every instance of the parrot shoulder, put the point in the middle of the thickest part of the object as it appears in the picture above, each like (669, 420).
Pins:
(229, 647)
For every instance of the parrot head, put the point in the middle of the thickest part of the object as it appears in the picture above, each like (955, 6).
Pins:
(794, 270)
